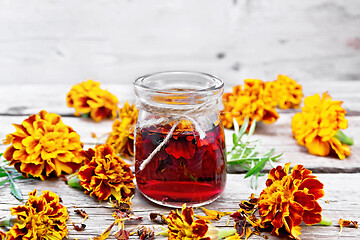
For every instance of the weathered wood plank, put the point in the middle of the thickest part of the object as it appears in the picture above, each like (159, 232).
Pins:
(342, 203)
(110, 41)
(28, 99)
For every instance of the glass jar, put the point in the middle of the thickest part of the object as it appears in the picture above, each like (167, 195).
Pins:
(180, 154)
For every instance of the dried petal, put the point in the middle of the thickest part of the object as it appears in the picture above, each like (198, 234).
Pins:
(82, 213)
(347, 223)
(79, 227)
(153, 217)
(212, 214)
(106, 233)
(122, 234)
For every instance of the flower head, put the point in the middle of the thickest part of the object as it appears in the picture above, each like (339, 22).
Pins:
(44, 146)
(88, 98)
(105, 174)
(2, 235)
(318, 123)
(122, 136)
(41, 217)
(286, 92)
(290, 199)
(252, 102)
(183, 226)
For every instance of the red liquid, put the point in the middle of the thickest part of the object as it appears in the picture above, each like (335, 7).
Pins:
(186, 170)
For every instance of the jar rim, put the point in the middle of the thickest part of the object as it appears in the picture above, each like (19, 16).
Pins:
(214, 82)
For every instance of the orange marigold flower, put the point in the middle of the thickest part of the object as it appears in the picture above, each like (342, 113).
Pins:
(252, 102)
(122, 136)
(290, 199)
(286, 92)
(2, 235)
(88, 98)
(318, 123)
(105, 174)
(41, 217)
(44, 146)
(183, 226)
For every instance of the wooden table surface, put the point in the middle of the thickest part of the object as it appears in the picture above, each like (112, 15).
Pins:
(340, 177)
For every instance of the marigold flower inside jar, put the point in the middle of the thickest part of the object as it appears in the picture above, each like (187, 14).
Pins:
(180, 154)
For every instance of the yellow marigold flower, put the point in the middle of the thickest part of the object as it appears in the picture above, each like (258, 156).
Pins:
(286, 92)
(183, 226)
(252, 102)
(122, 136)
(41, 217)
(318, 123)
(44, 146)
(105, 174)
(290, 199)
(88, 98)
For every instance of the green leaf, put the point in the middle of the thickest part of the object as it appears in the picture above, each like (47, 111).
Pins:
(257, 168)
(236, 127)
(245, 152)
(4, 181)
(15, 191)
(343, 138)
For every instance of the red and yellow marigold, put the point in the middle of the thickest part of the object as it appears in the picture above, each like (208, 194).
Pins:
(252, 101)
(41, 217)
(290, 199)
(122, 135)
(286, 92)
(183, 226)
(43, 146)
(88, 98)
(105, 174)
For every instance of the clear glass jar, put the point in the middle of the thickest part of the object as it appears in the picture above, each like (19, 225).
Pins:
(180, 154)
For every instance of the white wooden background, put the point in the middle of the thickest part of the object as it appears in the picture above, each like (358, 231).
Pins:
(114, 41)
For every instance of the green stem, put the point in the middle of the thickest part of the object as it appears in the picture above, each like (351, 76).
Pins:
(226, 232)
(325, 221)
(340, 135)
(74, 181)
(8, 221)
(85, 115)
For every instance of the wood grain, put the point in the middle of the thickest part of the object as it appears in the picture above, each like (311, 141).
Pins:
(340, 177)
(341, 193)
(115, 41)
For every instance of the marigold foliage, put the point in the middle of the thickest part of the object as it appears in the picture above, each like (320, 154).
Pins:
(105, 174)
(44, 146)
(183, 226)
(41, 217)
(122, 135)
(286, 92)
(253, 101)
(88, 98)
(317, 124)
(290, 199)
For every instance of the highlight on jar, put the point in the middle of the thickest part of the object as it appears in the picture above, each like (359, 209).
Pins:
(180, 154)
